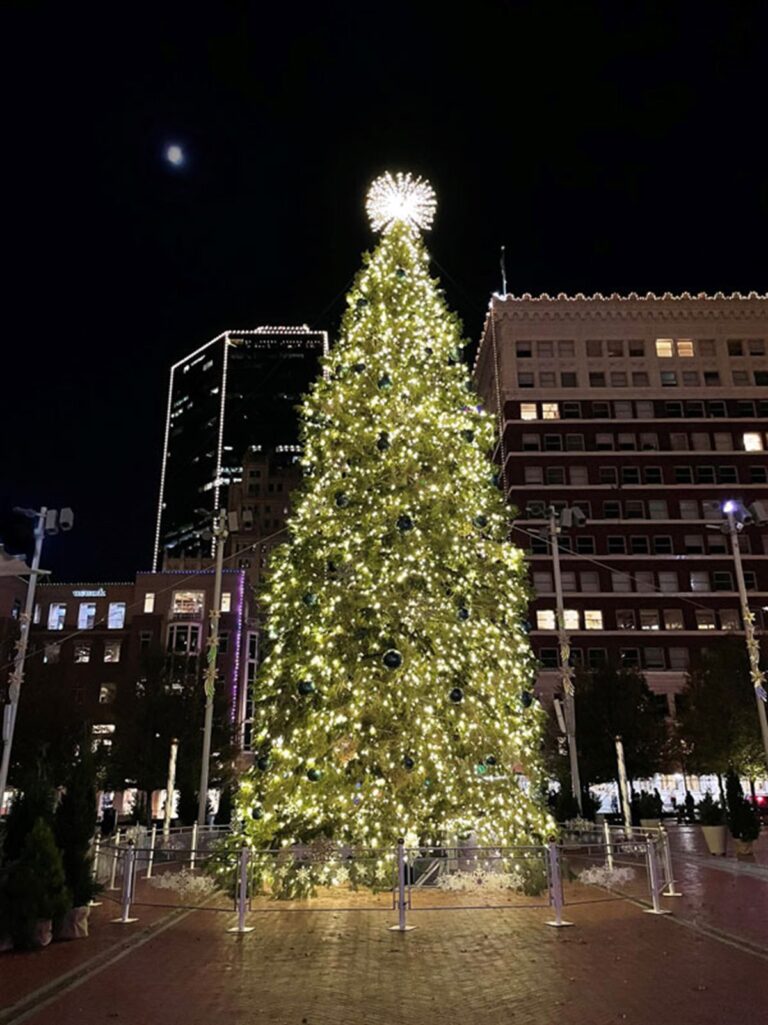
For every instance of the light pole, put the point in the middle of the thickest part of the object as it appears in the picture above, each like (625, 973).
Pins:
(219, 535)
(566, 670)
(47, 521)
(733, 527)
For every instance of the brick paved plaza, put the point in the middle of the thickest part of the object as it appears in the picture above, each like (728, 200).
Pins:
(705, 964)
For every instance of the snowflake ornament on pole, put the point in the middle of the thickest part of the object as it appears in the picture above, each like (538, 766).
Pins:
(400, 198)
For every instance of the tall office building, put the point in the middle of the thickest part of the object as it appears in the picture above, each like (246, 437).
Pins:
(647, 413)
(234, 396)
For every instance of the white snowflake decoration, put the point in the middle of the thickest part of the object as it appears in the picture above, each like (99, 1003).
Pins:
(400, 197)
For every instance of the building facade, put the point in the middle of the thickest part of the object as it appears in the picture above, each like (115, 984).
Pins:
(648, 414)
(234, 396)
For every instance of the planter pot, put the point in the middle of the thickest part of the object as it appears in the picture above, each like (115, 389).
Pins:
(716, 838)
(43, 933)
(650, 823)
(744, 848)
(74, 925)
(6, 943)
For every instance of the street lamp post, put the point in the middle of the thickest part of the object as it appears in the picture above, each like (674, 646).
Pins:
(219, 534)
(753, 648)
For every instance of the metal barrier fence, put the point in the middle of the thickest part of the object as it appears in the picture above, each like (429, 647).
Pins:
(605, 864)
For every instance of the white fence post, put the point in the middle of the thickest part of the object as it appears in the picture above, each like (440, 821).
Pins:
(95, 868)
(129, 866)
(402, 903)
(242, 893)
(670, 890)
(115, 855)
(653, 879)
(193, 848)
(556, 887)
(608, 845)
(151, 856)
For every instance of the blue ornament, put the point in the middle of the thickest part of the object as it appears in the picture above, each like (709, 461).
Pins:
(385, 382)
(382, 444)
(313, 775)
(305, 687)
(468, 435)
(463, 613)
(408, 762)
(358, 367)
(526, 698)
(361, 302)
(309, 598)
(256, 812)
(456, 695)
(404, 523)
(341, 499)
(392, 659)
(480, 521)
(490, 760)
(263, 762)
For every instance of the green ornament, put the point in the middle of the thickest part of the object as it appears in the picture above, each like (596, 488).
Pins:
(361, 303)
(468, 435)
(309, 598)
(384, 382)
(305, 687)
(480, 769)
(263, 762)
(480, 521)
(313, 775)
(400, 273)
(341, 499)
(358, 367)
(256, 812)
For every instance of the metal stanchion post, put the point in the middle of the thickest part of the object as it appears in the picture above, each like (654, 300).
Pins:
(402, 903)
(129, 867)
(670, 890)
(193, 848)
(95, 868)
(653, 879)
(151, 855)
(556, 887)
(115, 854)
(608, 845)
(242, 893)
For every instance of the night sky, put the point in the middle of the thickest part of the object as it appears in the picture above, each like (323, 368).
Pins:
(610, 146)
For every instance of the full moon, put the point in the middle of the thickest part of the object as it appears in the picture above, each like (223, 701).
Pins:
(174, 155)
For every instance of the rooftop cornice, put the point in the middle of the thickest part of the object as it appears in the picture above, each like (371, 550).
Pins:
(596, 297)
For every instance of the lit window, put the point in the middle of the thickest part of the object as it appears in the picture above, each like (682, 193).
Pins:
(116, 615)
(625, 619)
(668, 379)
(107, 693)
(102, 735)
(699, 580)
(685, 347)
(571, 619)
(187, 603)
(668, 582)
(545, 619)
(57, 612)
(184, 639)
(649, 619)
(753, 442)
(673, 619)
(36, 613)
(705, 619)
(149, 602)
(729, 619)
(550, 410)
(226, 601)
(82, 652)
(86, 615)
(112, 651)
(593, 619)
(528, 411)
(51, 653)
(664, 347)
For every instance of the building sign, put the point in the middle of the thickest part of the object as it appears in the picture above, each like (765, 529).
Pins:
(98, 593)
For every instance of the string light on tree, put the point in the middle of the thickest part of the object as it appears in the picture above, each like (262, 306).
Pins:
(396, 655)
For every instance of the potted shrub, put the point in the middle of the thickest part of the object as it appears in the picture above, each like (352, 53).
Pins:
(743, 819)
(712, 819)
(34, 895)
(649, 810)
(74, 826)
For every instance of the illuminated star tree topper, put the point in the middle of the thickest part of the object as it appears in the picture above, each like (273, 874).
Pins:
(400, 198)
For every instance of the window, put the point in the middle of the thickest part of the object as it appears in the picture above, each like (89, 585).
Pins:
(571, 410)
(617, 544)
(673, 410)
(604, 442)
(574, 443)
(668, 379)
(636, 347)
(758, 475)
(566, 348)
(601, 410)
(655, 658)
(116, 615)
(545, 350)
(568, 578)
(625, 619)
(594, 348)
(664, 347)
(623, 410)
(107, 693)
(545, 619)
(627, 442)
(528, 411)
(621, 583)
(694, 409)
(569, 380)
(614, 348)
(634, 510)
(149, 602)
(579, 476)
(761, 378)
(693, 544)
(525, 380)
(593, 619)
(548, 658)
(752, 441)
(539, 546)
(756, 346)
(729, 619)
(86, 615)
(689, 509)
(649, 619)
(571, 619)
(685, 347)
(673, 619)
(683, 475)
(701, 442)
(722, 580)
(630, 475)
(727, 475)
(653, 475)
(589, 581)
(668, 582)
(735, 347)
(550, 411)
(188, 604)
(705, 475)
(750, 580)
(57, 612)
(640, 379)
(596, 657)
(145, 640)
(711, 510)
(542, 583)
(678, 442)
(611, 510)
(740, 377)
(644, 410)
(554, 475)
(608, 475)
(585, 545)
(691, 378)
(82, 651)
(711, 379)
(639, 545)
(618, 379)
(717, 409)
(705, 619)
(184, 638)
(678, 658)
(597, 380)
(533, 475)
(523, 350)
(717, 544)
(531, 443)
(553, 443)
(112, 651)
(51, 653)
(630, 656)
(226, 601)
(699, 580)
(36, 613)
(745, 408)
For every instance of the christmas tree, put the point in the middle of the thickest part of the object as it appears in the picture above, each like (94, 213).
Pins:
(394, 698)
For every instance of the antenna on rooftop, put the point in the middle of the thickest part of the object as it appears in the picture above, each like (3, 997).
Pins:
(503, 263)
